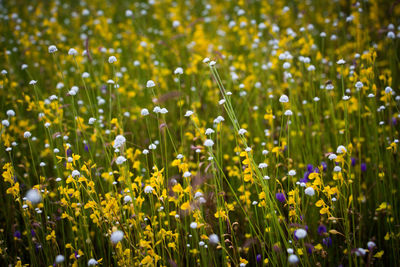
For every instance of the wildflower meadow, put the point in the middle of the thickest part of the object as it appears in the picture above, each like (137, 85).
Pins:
(199, 133)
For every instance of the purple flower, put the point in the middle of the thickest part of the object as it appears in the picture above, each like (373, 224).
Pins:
(309, 247)
(69, 152)
(87, 148)
(353, 162)
(321, 229)
(310, 167)
(258, 258)
(363, 167)
(324, 165)
(327, 241)
(33, 233)
(17, 234)
(280, 197)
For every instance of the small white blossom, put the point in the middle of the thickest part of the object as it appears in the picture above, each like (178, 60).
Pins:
(189, 113)
(120, 160)
(309, 191)
(119, 141)
(52, 49)
(178, 71)
(27, 134)
(284, 99)
(33, 195)
(112, 59)
(150, 84)
(213, 239)
(300, 233)
(208, 143)
(341, 149)
(193, 225)
(116, 236)
(148, 189)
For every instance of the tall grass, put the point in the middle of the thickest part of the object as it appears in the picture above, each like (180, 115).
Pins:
(182, 133)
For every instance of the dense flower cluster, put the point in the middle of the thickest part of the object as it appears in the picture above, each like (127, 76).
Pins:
(195, 133)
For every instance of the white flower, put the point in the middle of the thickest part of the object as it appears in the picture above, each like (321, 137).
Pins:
(219, 119)
(341, 62)
(119, 141)
(127, 199)
(371, 245)
(311, 68)
(265, 152)
(346, 97)
(213, 239)
(148, 189)
(388, 90)
(208, 143)
(59, 259)
(286, 65)
(164, 111)
(85, 75)
(332, 156)
(24, 66)
(4, 72)
(293, 259)
(116, 236)
(262, 165)
(212, 63)
(206, 60)
(329, 86)
(34, 196)
(32, 82)
(189, 113)
(242, 131)
(92, 262)
(152, 146)
(42, 164)
(145, 152)
(341, 149)
(128, 13)
(110, 82)
(288, 112)
(75, 173)
(290, 251)
(178, 71)
(222, 101)
(391, 35)
(144, 112)
(201, 243)
(300, 233)
(193, 225)
(72, 52)
(309, 191)
(120, 160)
(150, 84)
(337, 169)
(284, 99)
(52, 49)
(92, 120)
(360, 252)
(209, 131)
(27, 134)
(5, 123)
(112, 59)
(187, 174)
(292, 173)
(10, 113)
(74, 90)
(359, 85)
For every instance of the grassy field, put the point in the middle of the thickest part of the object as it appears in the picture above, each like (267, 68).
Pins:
(199, 133)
